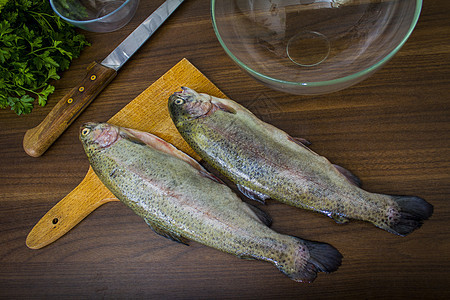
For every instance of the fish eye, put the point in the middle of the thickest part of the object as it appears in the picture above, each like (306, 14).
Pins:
(85, 131)
(179, 101)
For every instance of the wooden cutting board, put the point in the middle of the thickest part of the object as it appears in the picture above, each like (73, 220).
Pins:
(147, 112)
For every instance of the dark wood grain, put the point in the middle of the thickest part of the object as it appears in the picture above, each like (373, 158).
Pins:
(392, 130)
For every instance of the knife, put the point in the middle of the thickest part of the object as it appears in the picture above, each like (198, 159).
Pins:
(38, 139)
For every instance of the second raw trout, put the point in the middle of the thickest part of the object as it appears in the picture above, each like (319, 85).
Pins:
(265, 162)
(182, 201)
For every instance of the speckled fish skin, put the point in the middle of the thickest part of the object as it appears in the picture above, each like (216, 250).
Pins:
(265, 162)
(180, 200)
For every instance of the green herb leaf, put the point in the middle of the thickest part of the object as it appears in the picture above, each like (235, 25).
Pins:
(42, 96)
(35, 44)
(24, 105)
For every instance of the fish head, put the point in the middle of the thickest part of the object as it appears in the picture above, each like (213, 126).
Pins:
(188, 104)
(97, 136)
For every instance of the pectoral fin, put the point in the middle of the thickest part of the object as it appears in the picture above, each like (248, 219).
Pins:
(338, 219)
(246, 257)
(146, 138)
(223, 106)
(302, 143)
(211, 176)
(132, 138)
(161, 230)
(254, 195)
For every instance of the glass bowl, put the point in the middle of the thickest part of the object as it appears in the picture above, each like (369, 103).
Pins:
(96, 15)
(312, 46)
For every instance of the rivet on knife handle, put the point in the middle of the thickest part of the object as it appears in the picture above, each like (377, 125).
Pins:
(37, 140)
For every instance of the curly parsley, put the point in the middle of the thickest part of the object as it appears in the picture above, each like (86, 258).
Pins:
(35, 45)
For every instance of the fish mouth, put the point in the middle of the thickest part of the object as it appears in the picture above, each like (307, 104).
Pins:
(185, 93)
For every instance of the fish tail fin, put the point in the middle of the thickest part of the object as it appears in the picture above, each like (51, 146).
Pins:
(310, 258)
(413, 211)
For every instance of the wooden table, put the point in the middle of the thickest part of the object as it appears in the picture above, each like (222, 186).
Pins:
(392, 130)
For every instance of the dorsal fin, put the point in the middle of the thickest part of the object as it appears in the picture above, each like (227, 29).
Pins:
(349, 175)
(302, 143)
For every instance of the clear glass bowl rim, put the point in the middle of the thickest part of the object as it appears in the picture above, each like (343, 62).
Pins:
(348, 78)
(86, 21)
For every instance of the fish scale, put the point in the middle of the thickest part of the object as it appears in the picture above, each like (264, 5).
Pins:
(265, 162)
(180, 200)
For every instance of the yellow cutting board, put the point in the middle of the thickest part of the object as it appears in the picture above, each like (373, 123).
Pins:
(147, 112)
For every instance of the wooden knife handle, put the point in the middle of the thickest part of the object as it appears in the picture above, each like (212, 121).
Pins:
(38, 139)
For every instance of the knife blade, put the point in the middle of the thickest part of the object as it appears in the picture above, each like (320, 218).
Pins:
(38, 139)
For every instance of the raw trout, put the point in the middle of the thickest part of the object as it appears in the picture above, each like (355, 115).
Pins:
(182, 201)
(266, 162)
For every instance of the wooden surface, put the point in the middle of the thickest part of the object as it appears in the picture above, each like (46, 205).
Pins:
(91, 193)
(392, 130)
